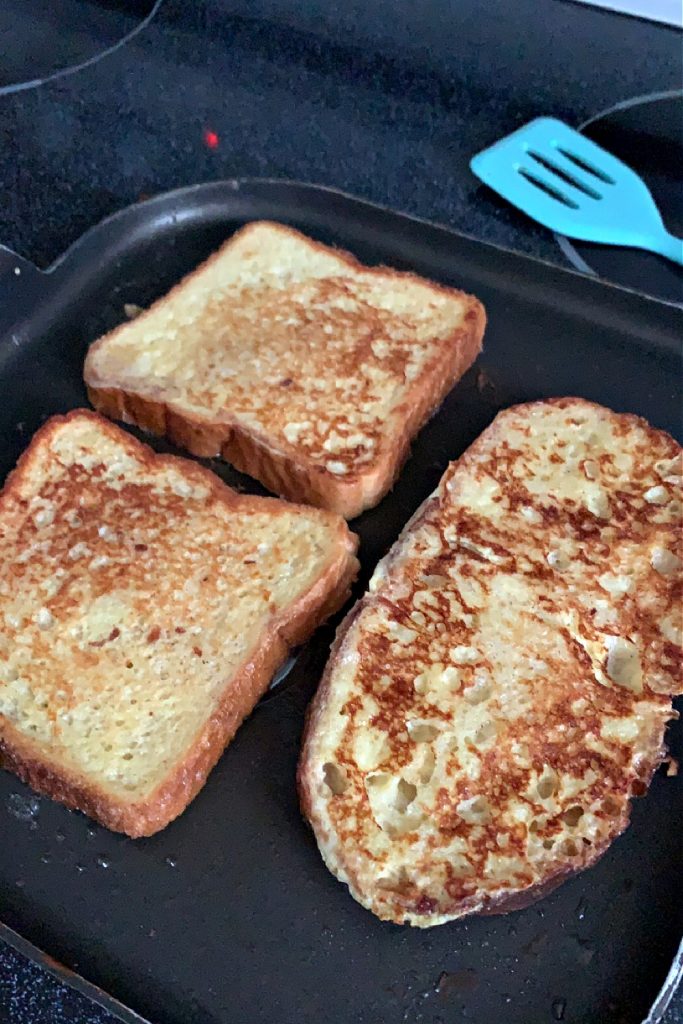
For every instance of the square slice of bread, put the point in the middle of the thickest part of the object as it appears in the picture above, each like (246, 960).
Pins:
(144, 607)
(500, 694)
(294, 362)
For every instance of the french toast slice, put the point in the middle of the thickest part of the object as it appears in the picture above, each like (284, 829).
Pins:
(292, 361)
(144, 607)
(502, 691)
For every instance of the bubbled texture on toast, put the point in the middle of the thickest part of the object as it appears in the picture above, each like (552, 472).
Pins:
(319, 360)
(135, 589)
(502, 691)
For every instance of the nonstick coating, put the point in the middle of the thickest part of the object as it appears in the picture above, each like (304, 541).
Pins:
(229, 915)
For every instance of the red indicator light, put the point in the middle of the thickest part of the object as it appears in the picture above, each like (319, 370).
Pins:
(211, 140)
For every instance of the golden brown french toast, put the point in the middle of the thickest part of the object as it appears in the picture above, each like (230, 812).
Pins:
(294, 362)
(144, 607)
(501, 692)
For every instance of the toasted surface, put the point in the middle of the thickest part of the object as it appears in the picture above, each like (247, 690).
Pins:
(296, 363)
(143, 608)
(501, 693)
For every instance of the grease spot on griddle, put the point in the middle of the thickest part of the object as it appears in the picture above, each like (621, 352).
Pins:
(585, 950)
(24, 808)
(485, 385)
(535, 945)
(558, 1008)
(465, 979)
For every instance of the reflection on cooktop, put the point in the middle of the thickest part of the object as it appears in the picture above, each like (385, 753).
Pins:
(39, 37)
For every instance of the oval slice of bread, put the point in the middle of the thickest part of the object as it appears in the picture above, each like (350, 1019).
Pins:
(294, 362)
(501, 693)
(144, 607)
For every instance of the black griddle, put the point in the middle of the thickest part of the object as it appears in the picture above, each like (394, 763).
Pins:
(228, 915)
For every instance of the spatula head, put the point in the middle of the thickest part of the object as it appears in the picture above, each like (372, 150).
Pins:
(570, 185)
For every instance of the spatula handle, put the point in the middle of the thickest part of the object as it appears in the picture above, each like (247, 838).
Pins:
(668, 245)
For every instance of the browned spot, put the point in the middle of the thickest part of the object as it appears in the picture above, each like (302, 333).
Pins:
(426, 905)
(115, 633)
(153, 634)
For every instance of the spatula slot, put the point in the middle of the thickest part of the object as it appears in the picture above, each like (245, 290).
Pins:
(585, 166)
(564, 175)
(547, 188)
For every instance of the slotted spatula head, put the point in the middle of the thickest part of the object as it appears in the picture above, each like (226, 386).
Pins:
(566, 182)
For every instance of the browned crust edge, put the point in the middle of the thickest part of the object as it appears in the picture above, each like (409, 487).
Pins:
(329, 592)
(289, 473)
(505, 903)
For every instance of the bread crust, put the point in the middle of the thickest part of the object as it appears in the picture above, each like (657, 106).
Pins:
(285, 630)
(288, 473)
(338, 859)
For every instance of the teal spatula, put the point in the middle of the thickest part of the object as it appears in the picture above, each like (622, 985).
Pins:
(564, 181)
